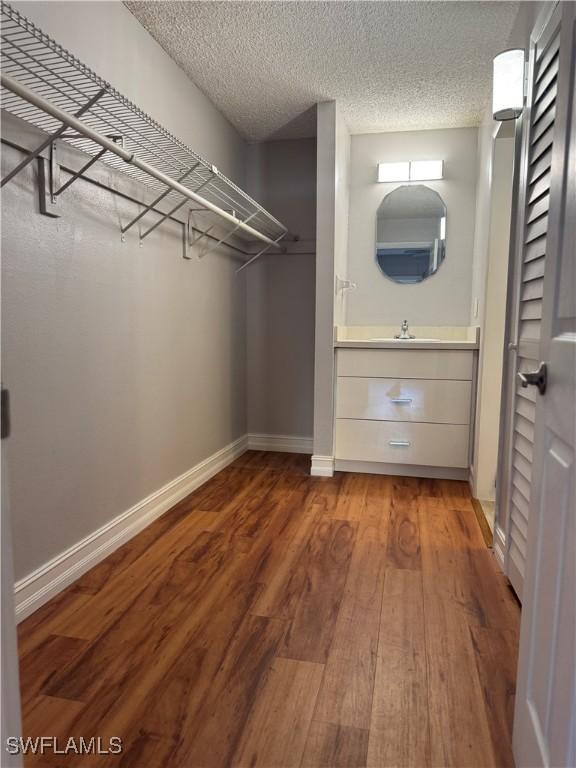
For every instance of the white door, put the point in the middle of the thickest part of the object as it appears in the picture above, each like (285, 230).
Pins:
(538, 146)
(545, 716)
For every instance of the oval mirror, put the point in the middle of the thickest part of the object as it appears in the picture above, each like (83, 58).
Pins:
(411, 233)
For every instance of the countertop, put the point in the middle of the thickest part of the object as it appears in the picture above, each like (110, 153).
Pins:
(400, 344)
(427, 337)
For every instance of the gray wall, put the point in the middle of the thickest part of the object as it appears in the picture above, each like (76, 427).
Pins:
(126, 365)
(282, 174)
(377, 300)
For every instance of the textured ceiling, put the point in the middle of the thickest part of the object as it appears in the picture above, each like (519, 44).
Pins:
(392, 65)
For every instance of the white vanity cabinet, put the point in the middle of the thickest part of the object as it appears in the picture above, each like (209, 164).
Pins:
(404, 411)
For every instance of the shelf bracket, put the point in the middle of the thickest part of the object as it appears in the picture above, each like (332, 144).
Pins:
(49, 187)
(51, 139)
(48, 181)
(173, 210)
(117, 139)
(260, 253)
(227, 235)
(77, 174)
(155, 202)
(192, 241)
(162, 218)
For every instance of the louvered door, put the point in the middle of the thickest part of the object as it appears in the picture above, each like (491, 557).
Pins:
(544, 733)
(529, 281)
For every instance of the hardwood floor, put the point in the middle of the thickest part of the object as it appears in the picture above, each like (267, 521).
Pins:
(273, 619)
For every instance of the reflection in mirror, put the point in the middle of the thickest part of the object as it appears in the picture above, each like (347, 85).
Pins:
(411, 233)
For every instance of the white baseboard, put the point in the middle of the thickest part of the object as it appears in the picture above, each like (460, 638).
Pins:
(38, 587)
(283, 443)
(499, 545)
(322, 466)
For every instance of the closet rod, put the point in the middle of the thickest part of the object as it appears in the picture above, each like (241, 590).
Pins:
(64, 117)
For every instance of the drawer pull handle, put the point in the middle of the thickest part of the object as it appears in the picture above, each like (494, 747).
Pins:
(401, 400)
(399, 443)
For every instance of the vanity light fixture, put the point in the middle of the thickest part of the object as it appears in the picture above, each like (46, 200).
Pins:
(508, 85)
(413, 170)
(443, 228)
(426, 170)
(394, 171)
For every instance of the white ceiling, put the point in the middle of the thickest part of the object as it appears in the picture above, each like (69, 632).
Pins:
(392, 65)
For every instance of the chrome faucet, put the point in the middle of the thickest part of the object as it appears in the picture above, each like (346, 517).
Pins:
(404, 333)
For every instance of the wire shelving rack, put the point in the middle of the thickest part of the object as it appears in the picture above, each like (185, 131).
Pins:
(49, 77)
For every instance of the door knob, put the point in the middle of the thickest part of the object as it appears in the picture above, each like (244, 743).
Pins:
(536, 378)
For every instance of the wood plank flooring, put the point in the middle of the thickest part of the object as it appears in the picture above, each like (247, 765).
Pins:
(277, 620)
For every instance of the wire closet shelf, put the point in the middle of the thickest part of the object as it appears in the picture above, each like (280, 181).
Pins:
(42, 83)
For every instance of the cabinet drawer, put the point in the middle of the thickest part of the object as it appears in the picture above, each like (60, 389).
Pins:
(432, 445)
(440, 402)
(406, 363)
